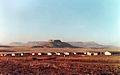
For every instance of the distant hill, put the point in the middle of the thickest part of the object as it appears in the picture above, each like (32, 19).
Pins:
(90, 45)
(17, 44)
(86, 44)
(60, 44)
(55, 44)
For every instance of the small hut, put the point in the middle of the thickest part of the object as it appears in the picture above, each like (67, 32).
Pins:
(74, 53)
(57, 53)
(22, 54)
(13, 54)
(33, 54)
(67, 53)
(107, 53)
(1, 54)
(39, 54)
(88, 53)
(49, 53)
(95, 53)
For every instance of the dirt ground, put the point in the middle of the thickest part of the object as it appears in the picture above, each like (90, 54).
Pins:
(29, 50)
(58, 65)
(44, 65)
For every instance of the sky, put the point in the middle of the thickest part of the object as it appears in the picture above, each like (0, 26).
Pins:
(67, 20)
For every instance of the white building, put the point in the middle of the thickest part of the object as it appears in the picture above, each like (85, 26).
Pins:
(22, 54)
(74, 53)
(85, 53)
(95, 53)
(13, 54)
(1, 55)
(107, 53)
(57, 53)
(66, 53)
(49, 53)
(39, 54)
(33, 53)
(88, 53)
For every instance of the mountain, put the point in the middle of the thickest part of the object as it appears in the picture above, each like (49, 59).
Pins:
(86, 44)
(90, 45)
(55, 44)
(60, 44)
(44, 44)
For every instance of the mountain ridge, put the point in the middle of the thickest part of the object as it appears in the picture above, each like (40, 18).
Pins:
(60, 44)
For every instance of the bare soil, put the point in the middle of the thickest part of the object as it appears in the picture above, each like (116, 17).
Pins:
(46, 65)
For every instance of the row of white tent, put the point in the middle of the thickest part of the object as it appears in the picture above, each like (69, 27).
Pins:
(56, 53)
(33, 54)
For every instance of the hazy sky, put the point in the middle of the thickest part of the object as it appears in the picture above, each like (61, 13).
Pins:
(68, 20)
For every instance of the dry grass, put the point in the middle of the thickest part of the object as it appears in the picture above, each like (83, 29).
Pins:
(60, 66)
(29, 49)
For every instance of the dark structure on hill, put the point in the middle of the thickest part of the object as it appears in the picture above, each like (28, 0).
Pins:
(56, 44)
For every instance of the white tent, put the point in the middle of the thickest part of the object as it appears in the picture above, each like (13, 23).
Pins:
(66, 53)
(39, 54)
(107, 53)
(49, 53)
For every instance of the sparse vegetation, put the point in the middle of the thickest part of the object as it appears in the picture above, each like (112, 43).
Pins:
(58, 65)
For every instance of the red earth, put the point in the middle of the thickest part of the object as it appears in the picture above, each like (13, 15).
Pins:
(55, 66)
